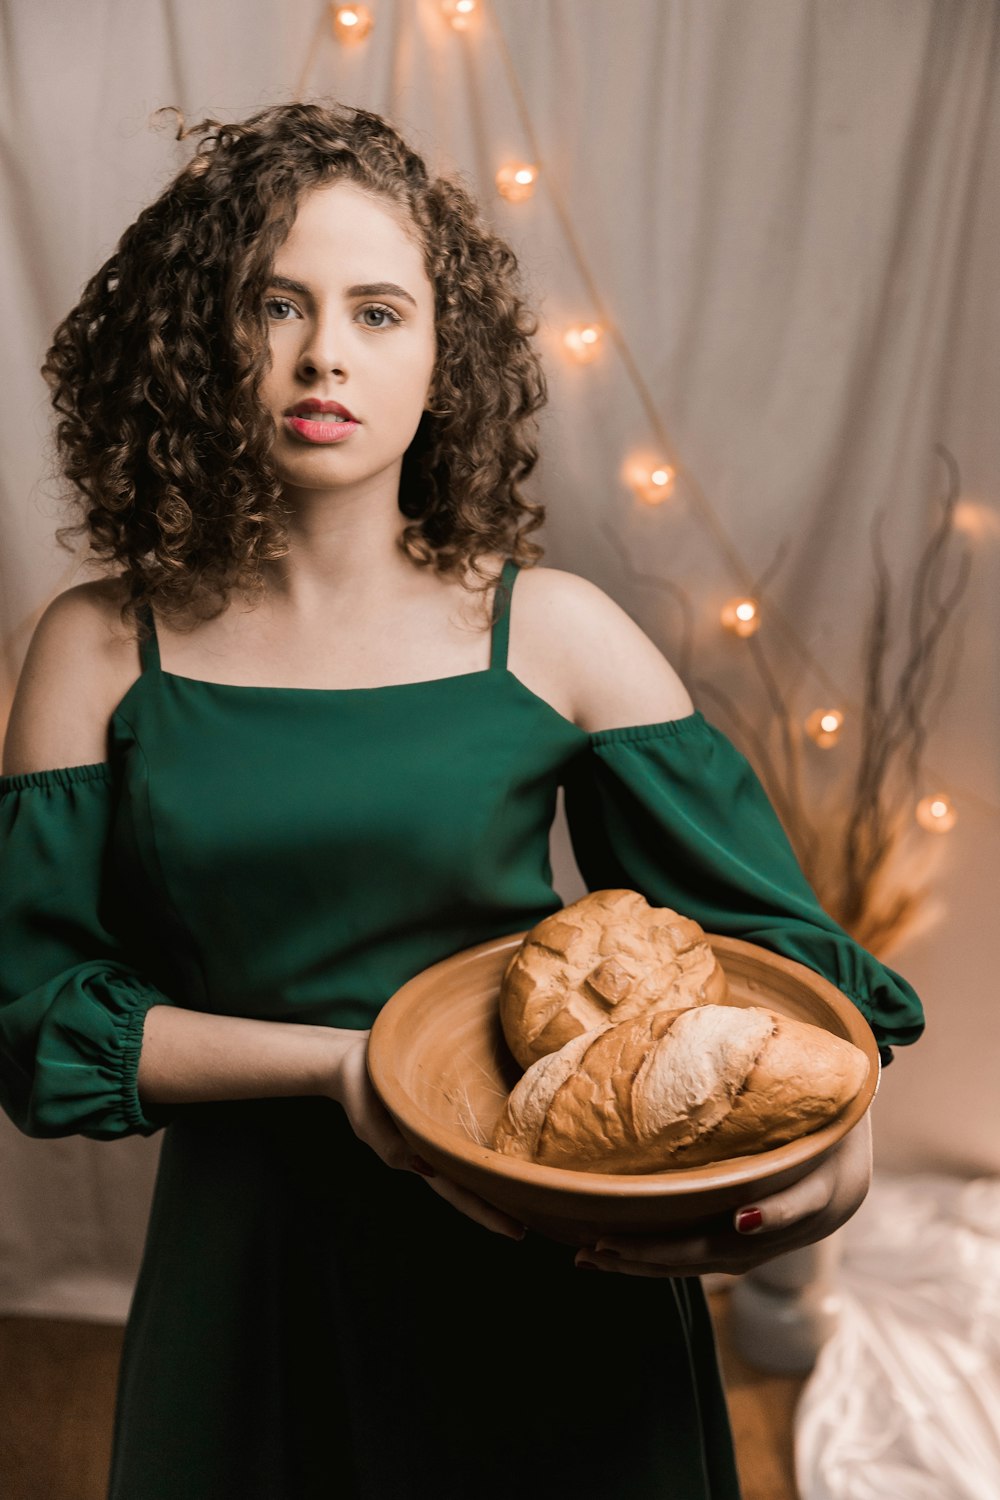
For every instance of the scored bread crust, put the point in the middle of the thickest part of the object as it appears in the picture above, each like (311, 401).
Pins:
(679, 1088)
(600, 961)
(518, 1130)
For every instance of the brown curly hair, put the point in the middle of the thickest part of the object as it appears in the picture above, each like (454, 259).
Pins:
(156, 372)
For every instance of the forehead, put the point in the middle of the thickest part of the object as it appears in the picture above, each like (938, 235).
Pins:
(342, 221)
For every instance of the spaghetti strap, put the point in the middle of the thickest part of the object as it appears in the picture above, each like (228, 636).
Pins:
(501, 614)
(149, 649)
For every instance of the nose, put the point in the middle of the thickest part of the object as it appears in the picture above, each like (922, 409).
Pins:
(320, 353)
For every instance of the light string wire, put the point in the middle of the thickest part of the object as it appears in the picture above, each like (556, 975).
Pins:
(315, 42)
(709, 516)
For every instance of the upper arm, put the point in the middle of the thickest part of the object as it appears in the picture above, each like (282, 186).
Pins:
(66, 689)
(618, 676)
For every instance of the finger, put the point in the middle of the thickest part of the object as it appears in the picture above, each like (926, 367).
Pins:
(386, 1141)
(699, 1255)
(674, 1256)
(682, 1251)
(477, 1208)
(697, 1263)
(396, 1152)
(694, 1258)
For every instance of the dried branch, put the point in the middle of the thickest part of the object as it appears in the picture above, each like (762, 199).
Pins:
(894, 729)
(684, 655)
(846, 860)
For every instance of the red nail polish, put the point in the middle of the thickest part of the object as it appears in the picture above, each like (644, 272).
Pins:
(748, 1220)
(419, 1165)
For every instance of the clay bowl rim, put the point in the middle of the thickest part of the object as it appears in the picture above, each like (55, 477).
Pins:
(681, 1182)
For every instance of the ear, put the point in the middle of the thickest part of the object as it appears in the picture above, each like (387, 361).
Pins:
(430, 403)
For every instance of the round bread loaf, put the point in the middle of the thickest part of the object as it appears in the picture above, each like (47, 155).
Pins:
(679, 1088)
(599, 961)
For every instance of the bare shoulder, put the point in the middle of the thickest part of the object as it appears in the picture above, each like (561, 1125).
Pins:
(616, 676)
(78, 664)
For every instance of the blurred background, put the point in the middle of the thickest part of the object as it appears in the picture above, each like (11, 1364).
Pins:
(761, 238)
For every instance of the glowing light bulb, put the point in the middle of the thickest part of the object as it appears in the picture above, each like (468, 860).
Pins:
(460, 13)
(351, 22)
(583, 341)
(653, 486)
(936, 813)
(824, 725)
(976, 520)
(741, 616)
(516, 180)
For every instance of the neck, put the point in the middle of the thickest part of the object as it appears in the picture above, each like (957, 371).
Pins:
(342, 547)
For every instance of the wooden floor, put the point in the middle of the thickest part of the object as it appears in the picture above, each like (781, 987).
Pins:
(57, 1391)
(762, 1414)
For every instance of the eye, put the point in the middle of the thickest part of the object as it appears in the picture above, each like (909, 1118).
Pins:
(279, 302)
(380, 307)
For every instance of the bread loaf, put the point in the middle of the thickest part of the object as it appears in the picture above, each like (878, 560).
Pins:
(679, 1088)
(600, 961)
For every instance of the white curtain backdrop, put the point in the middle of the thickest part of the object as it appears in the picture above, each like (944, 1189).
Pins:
(788, 211)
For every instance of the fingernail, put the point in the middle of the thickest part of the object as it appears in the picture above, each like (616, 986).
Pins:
(419, 1165)
(516, 1235)
(606, 1249)
(749, 1219)
(586, 1265)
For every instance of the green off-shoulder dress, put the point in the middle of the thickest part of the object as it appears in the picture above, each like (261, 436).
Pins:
(308, 1322)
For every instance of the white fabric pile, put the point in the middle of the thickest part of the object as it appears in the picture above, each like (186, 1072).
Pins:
(904, 1400)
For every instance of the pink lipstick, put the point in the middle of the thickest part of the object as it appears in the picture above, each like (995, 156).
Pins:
(320, 432)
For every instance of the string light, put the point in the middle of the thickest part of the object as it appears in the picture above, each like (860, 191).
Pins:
(936, 813)
(460, 13)
(516, 180)
(653, 486)
(351, 22)
(976, 520)
(583, 341)
(824, 725)
(741, 616)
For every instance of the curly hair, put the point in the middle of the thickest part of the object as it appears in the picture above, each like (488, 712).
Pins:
(156, 372)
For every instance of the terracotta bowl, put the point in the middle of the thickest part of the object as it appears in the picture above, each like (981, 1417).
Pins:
(438, 1060)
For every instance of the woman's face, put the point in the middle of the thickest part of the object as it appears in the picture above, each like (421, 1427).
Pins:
(337, 337)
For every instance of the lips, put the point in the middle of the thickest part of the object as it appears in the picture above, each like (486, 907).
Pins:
(322, 422)
(313, 408)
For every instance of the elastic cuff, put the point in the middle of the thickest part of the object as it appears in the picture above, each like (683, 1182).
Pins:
(663, 729)
(64, 776)
(142, 1121)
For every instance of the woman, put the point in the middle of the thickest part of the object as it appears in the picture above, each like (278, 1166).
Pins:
(324, 753)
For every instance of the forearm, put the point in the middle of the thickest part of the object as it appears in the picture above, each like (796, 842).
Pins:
(189, 1056)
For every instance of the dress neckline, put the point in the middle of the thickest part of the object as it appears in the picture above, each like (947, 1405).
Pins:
(495, 672)
(384, 687)
(151, 666)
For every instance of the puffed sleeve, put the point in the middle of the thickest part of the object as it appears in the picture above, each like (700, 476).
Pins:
(72, 1005)
(673, 810)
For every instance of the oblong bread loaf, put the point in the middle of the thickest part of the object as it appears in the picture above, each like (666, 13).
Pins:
(680, 1088)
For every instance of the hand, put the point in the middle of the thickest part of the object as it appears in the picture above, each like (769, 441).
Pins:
(371, 1122)
(809, 1210)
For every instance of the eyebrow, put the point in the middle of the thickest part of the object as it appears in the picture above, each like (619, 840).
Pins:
(363, 289)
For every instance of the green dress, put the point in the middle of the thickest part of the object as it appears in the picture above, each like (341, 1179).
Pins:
(307, 1321)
